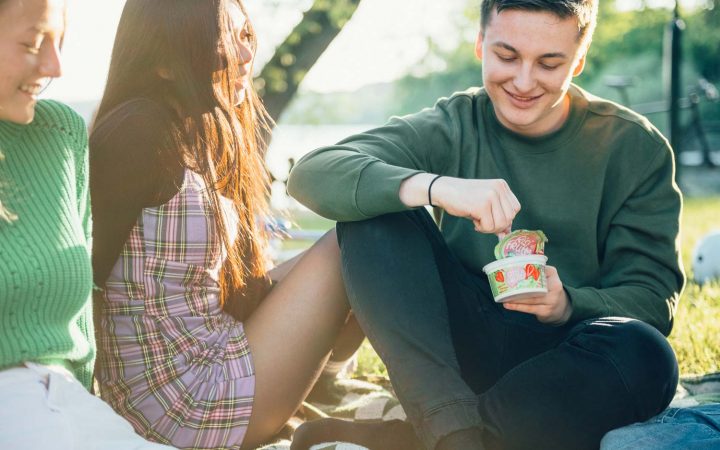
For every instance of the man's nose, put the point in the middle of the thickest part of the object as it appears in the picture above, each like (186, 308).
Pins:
(524, 80)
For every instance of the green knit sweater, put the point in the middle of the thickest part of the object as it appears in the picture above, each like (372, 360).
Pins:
(45, 270)
(601, 188)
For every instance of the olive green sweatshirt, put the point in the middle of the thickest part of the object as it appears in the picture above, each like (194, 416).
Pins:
(45, 270)
(601, 188)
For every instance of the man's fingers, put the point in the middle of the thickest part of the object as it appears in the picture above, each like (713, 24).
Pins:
(504, 233)
(514, 202)
(550, 271)
(508, 209)
(500, 219)
(534, 309)
(529, 300)
(485, 220)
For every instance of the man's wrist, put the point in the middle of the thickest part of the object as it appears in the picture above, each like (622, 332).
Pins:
(430, 186)
(414, 190)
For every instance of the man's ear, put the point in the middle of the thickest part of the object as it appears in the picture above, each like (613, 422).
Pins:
(478, 46)
(580, 65)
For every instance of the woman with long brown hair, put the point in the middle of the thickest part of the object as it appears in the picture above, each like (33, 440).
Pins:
(201, 343)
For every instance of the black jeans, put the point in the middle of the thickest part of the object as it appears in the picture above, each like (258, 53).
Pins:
(457, 359)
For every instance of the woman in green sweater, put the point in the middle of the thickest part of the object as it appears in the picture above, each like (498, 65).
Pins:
(47, 345)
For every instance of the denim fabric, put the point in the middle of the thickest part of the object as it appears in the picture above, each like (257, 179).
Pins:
(694, 428)
(45, 407)
(458, 359)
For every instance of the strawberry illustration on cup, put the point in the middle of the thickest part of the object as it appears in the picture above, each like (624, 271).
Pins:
(520, 266)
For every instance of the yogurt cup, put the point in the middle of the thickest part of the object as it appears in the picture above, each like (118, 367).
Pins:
(517, 276)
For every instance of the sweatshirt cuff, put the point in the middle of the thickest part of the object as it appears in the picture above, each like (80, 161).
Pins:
(586, 303)
(378, 189)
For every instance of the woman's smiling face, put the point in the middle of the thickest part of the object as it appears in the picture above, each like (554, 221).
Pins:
(529, 59)
(30, 35)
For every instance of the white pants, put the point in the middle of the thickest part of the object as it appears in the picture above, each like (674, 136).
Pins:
(43, 407)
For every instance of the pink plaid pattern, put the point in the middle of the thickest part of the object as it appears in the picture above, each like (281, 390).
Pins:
(170, 360)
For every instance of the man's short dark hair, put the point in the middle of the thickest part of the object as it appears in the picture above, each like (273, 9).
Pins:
(584, 10)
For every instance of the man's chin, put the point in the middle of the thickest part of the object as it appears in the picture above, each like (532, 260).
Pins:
(517, 122)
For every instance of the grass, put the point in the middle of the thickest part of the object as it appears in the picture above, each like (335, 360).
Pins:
(696, 335)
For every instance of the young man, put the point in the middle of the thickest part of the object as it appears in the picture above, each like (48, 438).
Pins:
(529, 150)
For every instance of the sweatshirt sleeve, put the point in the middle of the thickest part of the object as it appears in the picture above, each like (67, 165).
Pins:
(641, 271)
(360, 177)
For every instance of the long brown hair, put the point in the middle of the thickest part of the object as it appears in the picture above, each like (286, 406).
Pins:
(192, 41)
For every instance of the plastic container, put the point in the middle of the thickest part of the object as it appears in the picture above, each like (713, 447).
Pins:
(517, 276)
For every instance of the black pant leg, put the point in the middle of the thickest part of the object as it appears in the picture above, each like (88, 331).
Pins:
(397, 270)
(607, 373)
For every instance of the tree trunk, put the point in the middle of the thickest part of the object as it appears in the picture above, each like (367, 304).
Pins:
(281, 76)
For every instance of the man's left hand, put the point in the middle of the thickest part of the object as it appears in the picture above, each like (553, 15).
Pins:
(552, 308)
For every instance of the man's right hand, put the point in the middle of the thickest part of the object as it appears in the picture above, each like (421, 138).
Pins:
(490, 204)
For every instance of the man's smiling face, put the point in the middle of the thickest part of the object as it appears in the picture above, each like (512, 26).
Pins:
(529, 59)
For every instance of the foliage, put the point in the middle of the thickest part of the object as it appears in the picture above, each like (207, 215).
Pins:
(696, 336)
(628, 43)
(704, 40)
(279, 80)
(622, 34)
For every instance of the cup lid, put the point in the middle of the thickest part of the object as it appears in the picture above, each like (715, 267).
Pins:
(514, 261)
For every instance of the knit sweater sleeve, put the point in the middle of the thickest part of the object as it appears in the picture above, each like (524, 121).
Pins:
(641, 273)
(82, 173)
(360, 177)
(85, 318)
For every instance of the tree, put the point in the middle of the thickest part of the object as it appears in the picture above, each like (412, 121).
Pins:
(704, 40)
(281, 76)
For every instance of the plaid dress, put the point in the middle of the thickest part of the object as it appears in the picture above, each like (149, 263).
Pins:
(170, 360)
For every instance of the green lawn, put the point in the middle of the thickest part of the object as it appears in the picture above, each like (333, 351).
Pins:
(696, 336)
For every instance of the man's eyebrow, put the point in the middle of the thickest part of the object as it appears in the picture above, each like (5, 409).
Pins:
(514, 50)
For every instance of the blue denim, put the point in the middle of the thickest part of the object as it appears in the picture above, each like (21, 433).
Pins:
(457, 359)
(694, 428)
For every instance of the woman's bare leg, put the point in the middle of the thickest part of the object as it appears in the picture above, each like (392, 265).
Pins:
(291, 335)
(350, 338)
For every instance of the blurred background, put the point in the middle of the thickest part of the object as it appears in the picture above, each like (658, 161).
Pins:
(329, 68)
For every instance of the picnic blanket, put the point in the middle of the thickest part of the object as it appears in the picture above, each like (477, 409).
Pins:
(356, 400)
(364, 400)
(697, 390)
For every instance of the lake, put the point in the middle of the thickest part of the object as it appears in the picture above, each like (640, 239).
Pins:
(294, 141)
